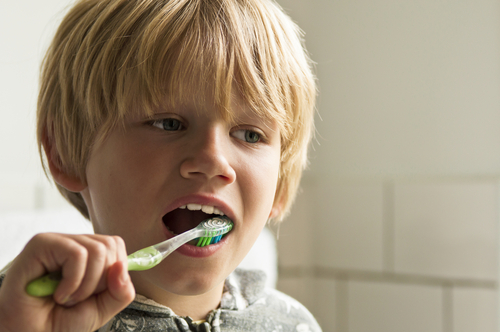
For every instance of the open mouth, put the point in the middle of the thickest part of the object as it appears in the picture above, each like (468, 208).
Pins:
(183, 219)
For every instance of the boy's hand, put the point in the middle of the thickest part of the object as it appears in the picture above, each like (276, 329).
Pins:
(95, 285)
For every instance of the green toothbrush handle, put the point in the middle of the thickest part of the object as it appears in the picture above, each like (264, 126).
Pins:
(44, 286)
(141, 260)
(146, 258)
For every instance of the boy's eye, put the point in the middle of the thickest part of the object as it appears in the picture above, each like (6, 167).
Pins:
(169, 124)
(246, 135)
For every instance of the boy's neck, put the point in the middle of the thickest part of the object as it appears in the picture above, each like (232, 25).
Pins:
(195, 306)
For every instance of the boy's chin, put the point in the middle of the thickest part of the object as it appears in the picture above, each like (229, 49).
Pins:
(185, 283)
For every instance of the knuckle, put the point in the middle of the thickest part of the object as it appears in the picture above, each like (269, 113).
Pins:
(40, 238)
(98, 249)
(78, 253)
(108, 241)
(119, 241)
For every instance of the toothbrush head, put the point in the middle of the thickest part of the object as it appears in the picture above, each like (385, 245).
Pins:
(215, 228)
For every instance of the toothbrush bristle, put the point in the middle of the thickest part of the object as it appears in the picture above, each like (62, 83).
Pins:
(222, 226)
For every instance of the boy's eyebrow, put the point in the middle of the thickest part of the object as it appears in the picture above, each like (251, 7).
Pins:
(159, 115)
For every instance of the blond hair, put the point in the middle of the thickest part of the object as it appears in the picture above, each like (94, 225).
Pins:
(109, 56)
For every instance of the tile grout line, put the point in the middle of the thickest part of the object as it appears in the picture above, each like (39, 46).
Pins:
(342, 304)
(447, 314)
(379, 276)
(388, 227)
(498, 249)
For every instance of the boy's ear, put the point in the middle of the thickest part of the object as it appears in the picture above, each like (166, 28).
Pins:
(275, 211)
(62, 177)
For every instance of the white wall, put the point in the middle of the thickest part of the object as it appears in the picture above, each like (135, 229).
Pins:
(27, 27)
(407, 87)
(397, 225)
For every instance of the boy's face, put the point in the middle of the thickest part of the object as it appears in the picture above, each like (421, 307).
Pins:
(145, 171)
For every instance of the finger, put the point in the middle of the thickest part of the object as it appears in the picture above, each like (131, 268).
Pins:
(118, 295)
(101, 253)
(73, 258)
(44, 253)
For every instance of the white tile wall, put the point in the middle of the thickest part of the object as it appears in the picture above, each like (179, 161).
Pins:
(388, 307)
(302, 289)
(447, 228)
(475, 310)
(396, 255)
(296, 234)
(350, 230)
(326, 309)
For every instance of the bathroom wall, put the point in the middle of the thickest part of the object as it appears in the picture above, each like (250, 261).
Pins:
(395, 255)
(396, 227)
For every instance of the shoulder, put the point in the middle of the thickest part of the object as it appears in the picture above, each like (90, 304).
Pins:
(260, 308)
(287, 309)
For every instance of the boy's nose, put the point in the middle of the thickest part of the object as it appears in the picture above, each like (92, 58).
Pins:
(207, 160)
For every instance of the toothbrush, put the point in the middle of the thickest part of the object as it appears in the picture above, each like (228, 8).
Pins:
(209, 231)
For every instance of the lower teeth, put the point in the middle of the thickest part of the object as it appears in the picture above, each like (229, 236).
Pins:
(170, 230)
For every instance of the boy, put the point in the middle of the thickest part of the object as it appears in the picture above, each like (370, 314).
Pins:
(154, 115)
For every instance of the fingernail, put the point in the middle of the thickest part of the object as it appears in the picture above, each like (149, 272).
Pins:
(64, 300)
(124, 277)
(69, 304)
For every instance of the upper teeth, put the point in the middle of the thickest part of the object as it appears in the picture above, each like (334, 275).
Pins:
(205, 208)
